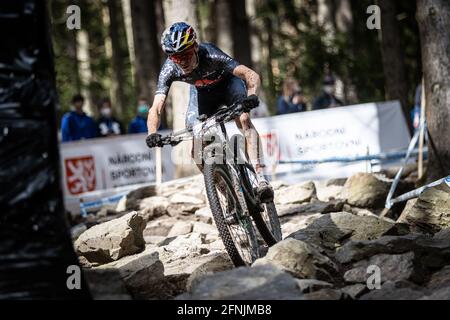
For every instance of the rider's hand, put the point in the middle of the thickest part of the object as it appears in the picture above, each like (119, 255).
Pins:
(153, 140)
(251, 102)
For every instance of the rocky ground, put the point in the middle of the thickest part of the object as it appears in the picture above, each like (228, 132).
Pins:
(162, 244)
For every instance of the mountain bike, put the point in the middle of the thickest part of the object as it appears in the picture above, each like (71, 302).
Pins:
(231, 186)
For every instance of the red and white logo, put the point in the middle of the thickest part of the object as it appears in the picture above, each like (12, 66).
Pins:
(80, 174)
(271, 146)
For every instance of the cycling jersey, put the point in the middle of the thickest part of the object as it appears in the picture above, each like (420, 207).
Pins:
(213, 66)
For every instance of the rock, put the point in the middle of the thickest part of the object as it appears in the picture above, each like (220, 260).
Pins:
(332, 230)
(443, 234)
(143, 275)
(133, 198)
(392, 267)
(365, 190)
(431, 211)
(300, 259)
(440, 294)
(183, 209)
(278, 184)
(184, 198)
(185, 245)
(112, 240)
(326, 294)
(204, 214)
(440, 279)
(153, 207)
(429, 253)
(216, 263)
(398, 290)
(106, 210)
(310, 285)
(106, 284)
(245, 283)
(336, 182)
(205, 228)
(180, 228)
(295, 223)
(156, 240)
(159, 227)
(359, 211)
(312, 207)
(295, 194)
(355, 290)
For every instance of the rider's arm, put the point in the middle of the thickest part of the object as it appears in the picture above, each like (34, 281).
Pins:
(250, 77)
(154, 114)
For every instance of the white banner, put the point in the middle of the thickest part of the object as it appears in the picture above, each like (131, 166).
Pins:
(356, 130)
(107, 163)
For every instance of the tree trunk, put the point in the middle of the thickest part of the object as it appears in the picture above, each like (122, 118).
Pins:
(434, 23)
(147, 51)
(85, 72)
(224, 26)
(176, 11)
(126, 9)
(117, 65)
(393, 58)
(242, 50)
(344, 24)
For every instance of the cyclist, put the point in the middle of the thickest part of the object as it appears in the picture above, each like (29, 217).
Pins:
(216, 80)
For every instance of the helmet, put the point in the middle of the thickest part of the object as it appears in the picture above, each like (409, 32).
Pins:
(178, 37)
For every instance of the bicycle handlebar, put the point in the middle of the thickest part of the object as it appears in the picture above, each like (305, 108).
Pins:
(223, 115)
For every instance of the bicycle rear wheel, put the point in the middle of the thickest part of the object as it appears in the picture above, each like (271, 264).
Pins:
(233, 223)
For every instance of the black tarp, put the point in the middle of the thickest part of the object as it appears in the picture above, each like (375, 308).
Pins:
(35, 246)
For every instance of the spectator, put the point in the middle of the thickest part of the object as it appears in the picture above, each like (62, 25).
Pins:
(77, 125)
(139, 123)
(292, 99)
(327, 99)
(107, 124)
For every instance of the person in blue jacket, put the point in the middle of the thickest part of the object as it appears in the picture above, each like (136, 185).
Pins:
(76, 124)
(139, 123)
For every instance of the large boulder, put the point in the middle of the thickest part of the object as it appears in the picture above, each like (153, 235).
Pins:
(106, 284)
(295, 194)
(143, 275)
(392, 268)
(429, 253)
(312, 207)
(245, 283)
(207, 265)
(186, 245)
(180, 228)
(311, 285)
(395, 290)
(365, 190)
(112, 240)
(431, 211)
(300, 259)
(332, 230)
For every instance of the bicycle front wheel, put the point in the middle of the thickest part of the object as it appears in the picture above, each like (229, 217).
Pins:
(264, 214)
(233, 222)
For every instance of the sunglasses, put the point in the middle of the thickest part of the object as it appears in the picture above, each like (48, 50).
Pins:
(183, 56)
